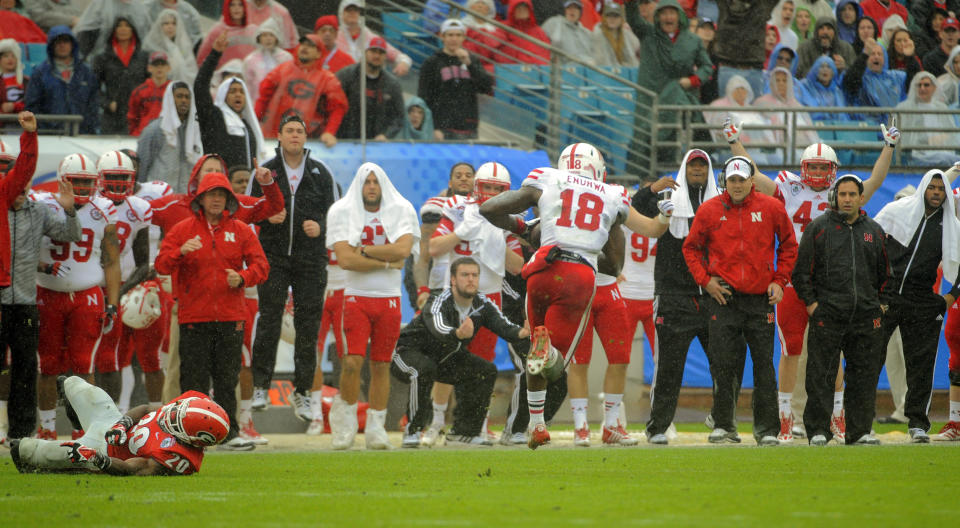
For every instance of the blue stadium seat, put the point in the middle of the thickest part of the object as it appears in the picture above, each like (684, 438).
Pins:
(572, 75)
(522, 85)
(405, 31)
(600, 80)
(32, 55)
(615, 100)
(868, 135)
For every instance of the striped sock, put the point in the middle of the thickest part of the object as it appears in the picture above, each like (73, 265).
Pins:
(954, 411)
(439, 414)
(611, 409)
(837, 402)
(579, 408)
(316, 404)
(536, 401)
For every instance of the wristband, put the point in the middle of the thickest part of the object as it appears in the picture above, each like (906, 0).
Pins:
(663, 219)
(521, 227)
(423, 289)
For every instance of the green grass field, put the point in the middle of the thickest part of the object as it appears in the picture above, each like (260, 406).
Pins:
(895, 485)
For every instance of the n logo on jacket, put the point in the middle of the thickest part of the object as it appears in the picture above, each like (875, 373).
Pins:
(229, 236)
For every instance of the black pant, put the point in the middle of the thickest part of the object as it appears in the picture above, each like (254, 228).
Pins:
(752, 317)
(308, 280)
(19, 332)
(518, 412)
(920, 333)
(212, 351)
(860, 340)
(472, 378)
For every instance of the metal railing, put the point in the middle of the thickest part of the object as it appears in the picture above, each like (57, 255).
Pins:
(71, 123)
(551, 105)
(855, 140)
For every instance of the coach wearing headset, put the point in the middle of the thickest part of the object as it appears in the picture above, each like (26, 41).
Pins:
(842, 275)
(741, 249)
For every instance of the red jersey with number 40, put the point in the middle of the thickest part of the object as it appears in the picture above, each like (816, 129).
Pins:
(147, 440)
(802, 203)
(82, 258)
(576, 213)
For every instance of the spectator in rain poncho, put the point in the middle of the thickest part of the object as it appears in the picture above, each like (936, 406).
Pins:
(782, 18)
(848, 12)
(186, 14)
(803, 23)
(947, 83)
(921, 129)
(268, 56)
(821, 87)
(95, 26)
(867, 29)
(781, 56)
(241, 32)
(889, 26)
(418, 123)
(614, 43)
(902, 54)
(869, 82)
(481, 35)
(567, 33)
(169, 35)
(780, 94)
(738, 93)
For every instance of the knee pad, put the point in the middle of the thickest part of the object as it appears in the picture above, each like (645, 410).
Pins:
(955, 378)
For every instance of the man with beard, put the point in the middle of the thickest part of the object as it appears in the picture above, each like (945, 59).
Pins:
(384, 96)
(824, 42)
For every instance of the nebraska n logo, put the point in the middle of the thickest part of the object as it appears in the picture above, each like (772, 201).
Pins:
(755, 217)
(229, 236)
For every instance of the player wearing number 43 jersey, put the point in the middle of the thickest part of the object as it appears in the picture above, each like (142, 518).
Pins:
(805, 198)
(147, 440)
(69, 298)
(578, 214)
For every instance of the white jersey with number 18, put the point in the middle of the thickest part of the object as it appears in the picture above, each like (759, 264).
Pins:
(576, 213)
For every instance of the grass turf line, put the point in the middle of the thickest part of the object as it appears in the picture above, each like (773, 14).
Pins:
(883, 486)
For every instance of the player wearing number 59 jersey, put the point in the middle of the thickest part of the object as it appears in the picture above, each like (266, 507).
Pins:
(578, 213)
(69, 299)
(805, 199)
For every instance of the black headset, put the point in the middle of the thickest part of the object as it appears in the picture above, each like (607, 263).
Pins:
(832, 193)
(722, 179)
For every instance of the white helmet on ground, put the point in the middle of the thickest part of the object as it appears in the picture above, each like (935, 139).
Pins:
(117, 175)
(81, 172)
(583, 159)
(141, 307)
(490, 173)
(818, 153)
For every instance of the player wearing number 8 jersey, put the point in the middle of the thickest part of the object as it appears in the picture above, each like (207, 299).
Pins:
(70, 301)
(578, 213)
(805, 198)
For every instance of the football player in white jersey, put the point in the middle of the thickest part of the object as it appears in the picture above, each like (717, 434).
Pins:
(372, 229)
(70, 300)
(805, 198)
(463, 232)
(117, 181)
(578, 214)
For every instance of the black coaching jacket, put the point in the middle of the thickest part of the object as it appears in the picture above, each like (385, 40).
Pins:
(434, 330)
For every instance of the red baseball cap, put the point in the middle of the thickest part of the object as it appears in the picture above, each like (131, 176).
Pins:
(377, 43)
(328, 20)
(951, 23)
(698, 154)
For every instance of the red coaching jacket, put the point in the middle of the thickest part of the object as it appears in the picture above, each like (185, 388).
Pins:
(11, 186)
(200, 277)
(737, 242)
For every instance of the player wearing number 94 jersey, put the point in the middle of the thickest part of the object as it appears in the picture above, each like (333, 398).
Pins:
(578, 213)
(805, 199)
(70, 301)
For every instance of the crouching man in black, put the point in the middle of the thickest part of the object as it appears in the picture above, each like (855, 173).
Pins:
(433, 347)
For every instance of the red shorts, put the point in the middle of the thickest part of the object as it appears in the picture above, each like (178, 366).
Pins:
(641, 312)
(115, 349)
(608, 315)
(484, 344)
(253, 308)
(332, 316)
(70, 324)
(371, 319)
(559, 298)
(791, 322)
(951, 331)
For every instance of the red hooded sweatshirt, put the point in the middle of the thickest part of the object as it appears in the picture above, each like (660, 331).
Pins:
(169, 210)
(529, 53)
(11, 186)
(200, 277)
(737, 242)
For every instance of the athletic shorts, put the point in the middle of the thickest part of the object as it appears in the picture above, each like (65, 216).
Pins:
(641, 311)
(332, 317)
(951, 331)
(70, 326)
(484, 343)
(608, 315)
(559, 298)
(791, 322)
(373, 320)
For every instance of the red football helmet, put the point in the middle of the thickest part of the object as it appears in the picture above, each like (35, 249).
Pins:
(196, 421)
(490, 173)
(81, 172)
(117, 175)
(818, 153)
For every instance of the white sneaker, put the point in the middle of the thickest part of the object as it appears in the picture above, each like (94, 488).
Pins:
(375, 435)
(918, 436)
(260, 399)
(316, 427)
(237, 443)
(508, 439)
(412, 440)
(671, 432)
(432, 435)
(301, 406)
(818, 440)
(343, 424)
(768, 441)
(708, 421)
(480, 440)
(249, 432)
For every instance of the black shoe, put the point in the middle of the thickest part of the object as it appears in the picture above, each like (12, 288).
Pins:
(62, 400)
(890, 420)
(21, 466)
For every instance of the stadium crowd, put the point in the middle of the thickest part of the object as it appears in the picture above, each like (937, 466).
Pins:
(187, 248)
